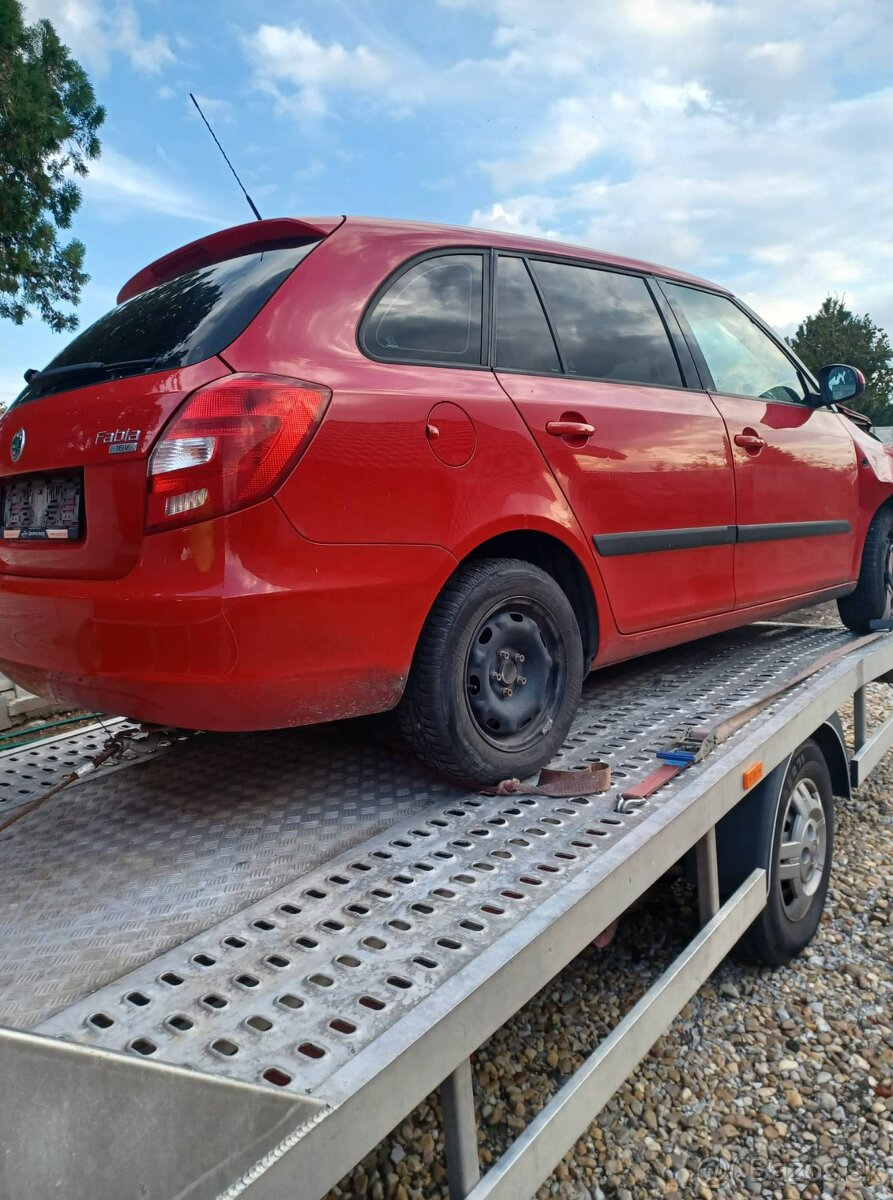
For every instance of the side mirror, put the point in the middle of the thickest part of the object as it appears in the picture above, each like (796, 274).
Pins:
(839, 382)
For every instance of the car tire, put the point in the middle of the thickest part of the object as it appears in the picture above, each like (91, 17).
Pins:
(873, 598)
(496, 675)
(789, 831)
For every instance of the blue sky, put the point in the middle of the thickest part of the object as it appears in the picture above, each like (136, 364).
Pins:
(751, 142)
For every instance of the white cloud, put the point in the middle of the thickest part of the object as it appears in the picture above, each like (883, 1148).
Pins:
(301, 71)
(783, 56)
(304, 75)
(148, 54)
(672, 19)
(214, 110)
(313, 170)
(94, 31)
(525, 216)
(570, 136)
(122, 185)
(739, 139)
(747, 141)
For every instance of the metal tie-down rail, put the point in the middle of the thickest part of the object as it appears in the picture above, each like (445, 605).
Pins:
(305, 1023)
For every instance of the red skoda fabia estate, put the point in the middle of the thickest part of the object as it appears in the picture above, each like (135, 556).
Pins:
(310, 469)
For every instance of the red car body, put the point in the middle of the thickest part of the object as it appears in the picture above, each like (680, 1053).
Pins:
(685, 512)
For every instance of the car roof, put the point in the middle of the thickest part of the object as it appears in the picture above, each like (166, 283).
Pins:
(226, 243)
(469, 236)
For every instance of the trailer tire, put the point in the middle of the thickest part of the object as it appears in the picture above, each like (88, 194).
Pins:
(786, 826)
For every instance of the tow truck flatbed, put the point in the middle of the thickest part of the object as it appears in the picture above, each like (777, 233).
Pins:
(235, 963)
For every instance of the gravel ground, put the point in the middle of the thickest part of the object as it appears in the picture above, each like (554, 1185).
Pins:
(771, 1083)
(819, 614)
(35, 728)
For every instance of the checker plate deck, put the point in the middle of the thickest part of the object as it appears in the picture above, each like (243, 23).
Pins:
(264, 906)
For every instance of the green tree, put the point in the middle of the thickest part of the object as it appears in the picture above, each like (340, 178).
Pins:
(48, 124)
(835, 334)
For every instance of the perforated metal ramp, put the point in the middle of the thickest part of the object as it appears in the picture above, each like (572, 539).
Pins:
(28, 771)
(149, 870)
(119, 868)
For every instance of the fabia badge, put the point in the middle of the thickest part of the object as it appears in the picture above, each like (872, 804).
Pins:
(17, 446)
(119, 441)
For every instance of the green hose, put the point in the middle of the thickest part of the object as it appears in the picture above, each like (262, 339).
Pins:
(14, 738)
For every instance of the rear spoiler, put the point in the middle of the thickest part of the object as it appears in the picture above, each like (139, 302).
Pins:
(228, 243)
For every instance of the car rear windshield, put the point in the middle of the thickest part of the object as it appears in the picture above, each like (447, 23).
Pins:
(183, 321)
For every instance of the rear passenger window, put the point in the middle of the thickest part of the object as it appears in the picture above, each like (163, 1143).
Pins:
(607, 325)
(523, 339)
(431, 313)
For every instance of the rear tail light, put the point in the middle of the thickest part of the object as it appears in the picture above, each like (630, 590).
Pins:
(230, 445)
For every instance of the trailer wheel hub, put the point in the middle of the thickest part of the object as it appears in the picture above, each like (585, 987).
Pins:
(802, 850)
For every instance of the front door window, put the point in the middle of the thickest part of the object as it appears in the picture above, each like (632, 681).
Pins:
(741, 357)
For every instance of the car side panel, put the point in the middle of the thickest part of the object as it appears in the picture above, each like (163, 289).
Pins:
(368, 474)
(371, 473)
(658, 460)
(378, 468)
(805, 473)
(875, 485)
(651, 640)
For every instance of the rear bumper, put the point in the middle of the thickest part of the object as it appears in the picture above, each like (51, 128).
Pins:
(234, 624)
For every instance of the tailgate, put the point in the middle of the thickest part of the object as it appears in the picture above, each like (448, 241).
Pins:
(73, 503)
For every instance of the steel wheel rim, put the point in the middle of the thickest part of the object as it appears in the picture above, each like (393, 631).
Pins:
(515, 673)
(803, 849)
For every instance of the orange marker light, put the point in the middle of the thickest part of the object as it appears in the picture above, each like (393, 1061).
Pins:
(752, 775)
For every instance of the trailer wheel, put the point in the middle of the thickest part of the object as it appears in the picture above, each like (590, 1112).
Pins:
(786, 825)
(496, 675)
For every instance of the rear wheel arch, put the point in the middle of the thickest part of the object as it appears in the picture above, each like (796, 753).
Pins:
(829, 738)
(557, 559)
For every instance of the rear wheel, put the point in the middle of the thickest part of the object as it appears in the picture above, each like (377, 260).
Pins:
(496, 675)
(789, 831)
(873, 598)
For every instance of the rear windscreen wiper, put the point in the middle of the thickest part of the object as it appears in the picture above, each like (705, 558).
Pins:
(50, 379)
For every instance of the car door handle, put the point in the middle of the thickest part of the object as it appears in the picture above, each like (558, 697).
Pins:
(570, 429)
(750, 440)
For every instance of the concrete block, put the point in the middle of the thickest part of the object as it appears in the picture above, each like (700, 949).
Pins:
(26, 705)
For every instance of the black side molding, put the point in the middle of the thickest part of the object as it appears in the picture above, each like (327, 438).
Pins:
(791, 529)
(651, 541)
(610, 545)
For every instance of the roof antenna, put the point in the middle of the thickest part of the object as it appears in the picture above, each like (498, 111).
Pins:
(251, 203)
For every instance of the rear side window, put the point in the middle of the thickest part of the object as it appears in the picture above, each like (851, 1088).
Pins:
(607, 324)
(188, 318)
(523, 339)
(741, 357)
(432, 313)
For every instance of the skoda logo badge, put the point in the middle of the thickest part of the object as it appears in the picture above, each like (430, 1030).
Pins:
(18, 445)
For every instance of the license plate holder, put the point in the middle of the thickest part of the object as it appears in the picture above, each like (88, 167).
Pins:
(39, 508)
